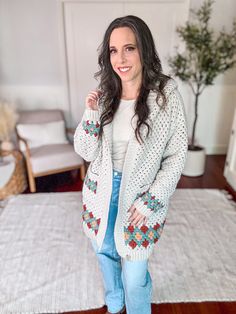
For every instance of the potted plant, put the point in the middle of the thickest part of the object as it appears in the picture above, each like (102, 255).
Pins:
(206, 55)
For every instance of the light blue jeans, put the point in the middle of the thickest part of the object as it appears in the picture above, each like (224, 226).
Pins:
(125, 282)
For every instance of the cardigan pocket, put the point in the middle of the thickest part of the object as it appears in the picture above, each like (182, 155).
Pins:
(94, 170)
(95, 165)
(144, 187)
(142, 190)
(142, 236)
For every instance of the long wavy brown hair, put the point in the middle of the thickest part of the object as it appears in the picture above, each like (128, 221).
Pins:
(152, 76)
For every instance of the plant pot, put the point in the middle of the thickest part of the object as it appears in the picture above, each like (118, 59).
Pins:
(195, 162)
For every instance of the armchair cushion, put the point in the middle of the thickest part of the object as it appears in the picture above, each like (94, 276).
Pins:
(43, 133)
(52, 157)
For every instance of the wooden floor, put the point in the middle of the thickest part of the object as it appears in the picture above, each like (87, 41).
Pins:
(182, 308)
(213, 178)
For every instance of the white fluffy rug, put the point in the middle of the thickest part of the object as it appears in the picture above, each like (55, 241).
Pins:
(47, 265)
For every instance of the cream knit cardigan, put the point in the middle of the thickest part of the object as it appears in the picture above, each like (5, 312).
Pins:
(150, 174)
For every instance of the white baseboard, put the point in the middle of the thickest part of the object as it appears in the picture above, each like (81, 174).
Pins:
(216, 150)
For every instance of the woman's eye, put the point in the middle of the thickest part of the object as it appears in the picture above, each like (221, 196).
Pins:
(130, 48)
(112, 51)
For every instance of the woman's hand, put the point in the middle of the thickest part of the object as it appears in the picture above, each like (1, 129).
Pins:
(136, 218)
(91, 101)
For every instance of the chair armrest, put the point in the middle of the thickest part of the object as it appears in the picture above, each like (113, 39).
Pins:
(70, 134)
(25, 142)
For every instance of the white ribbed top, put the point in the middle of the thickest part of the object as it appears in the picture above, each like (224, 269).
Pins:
(123, 129)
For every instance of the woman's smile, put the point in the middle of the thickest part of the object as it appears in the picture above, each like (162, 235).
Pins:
(124, 69)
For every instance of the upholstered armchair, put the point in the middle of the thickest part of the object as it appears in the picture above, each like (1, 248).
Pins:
(44, 140)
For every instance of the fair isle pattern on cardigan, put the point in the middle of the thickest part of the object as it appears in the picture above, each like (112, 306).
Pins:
(91, 185)
(90, 220)
(91, 127)
(149, 177)
(149, 200)
(144, 236)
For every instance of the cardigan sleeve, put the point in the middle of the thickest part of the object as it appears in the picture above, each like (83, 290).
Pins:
(155, 200)
(86, 141)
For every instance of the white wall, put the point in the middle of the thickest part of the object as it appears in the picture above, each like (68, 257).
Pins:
(32, 67)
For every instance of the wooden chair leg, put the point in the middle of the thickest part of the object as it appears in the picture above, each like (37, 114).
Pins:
(32, 184)
(82, 172)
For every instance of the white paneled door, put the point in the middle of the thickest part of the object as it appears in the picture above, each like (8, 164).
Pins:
(85, 23)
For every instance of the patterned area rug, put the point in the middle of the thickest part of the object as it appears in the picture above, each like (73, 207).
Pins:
(47, 265)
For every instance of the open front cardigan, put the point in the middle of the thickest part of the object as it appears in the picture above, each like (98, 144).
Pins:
(150, 174)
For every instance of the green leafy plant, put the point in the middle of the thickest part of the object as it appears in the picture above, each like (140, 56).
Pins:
(206, 55)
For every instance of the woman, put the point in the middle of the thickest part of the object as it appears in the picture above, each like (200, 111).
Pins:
(134, 134)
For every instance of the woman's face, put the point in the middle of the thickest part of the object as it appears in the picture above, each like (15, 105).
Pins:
(124, 55)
